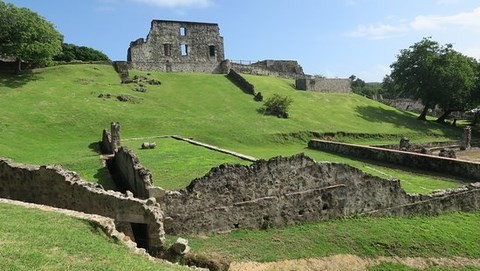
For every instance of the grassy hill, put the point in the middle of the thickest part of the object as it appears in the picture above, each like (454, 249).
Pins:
(55, 115)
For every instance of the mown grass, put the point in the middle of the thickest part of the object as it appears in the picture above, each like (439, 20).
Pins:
(31, 239)
(174, 164)
(448, 235)
(54, 116)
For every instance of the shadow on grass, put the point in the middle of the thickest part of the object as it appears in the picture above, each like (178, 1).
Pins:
(103, 174)
(401, 119)
(18, 80)
(95, 147)
(105, 179)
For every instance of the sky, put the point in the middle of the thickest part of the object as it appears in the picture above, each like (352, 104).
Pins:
(332, 38)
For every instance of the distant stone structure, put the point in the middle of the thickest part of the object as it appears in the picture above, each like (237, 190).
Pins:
(466, 138)
(324, 85)
(279, 68)
(177, 46)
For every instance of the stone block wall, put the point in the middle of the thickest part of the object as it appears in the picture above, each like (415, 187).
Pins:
(241, 82)
(324, 85)
(131, 173)
(178, 46)
(53, 186)
(279, 68)
(286, 191)
(469, 170)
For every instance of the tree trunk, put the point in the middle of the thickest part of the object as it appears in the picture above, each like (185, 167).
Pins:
(475, 119)
(445, 115)
(18, 67)
(423, 115)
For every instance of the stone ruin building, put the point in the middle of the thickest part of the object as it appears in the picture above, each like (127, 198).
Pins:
(176, 46)
(182, 46)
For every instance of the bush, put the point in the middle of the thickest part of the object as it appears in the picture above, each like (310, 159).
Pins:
(277, 106)
(71, 52)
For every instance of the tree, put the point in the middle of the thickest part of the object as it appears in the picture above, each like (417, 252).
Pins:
(459, 79)
(434, 73)
(27, 36)
(414, 73)
(73, 52)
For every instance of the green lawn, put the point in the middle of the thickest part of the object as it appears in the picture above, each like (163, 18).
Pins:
(448, 235)
(31, 239)
(54, 116)
(174, 164)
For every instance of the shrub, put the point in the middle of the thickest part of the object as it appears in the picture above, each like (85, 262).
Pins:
(277, 106)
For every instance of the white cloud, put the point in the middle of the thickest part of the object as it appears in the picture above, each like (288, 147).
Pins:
(458, 22)
(378, 31)
(178, 3)
(448, 2)
(464, 19)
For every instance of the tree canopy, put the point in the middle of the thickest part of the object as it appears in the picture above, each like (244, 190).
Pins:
(27, 36)
(73, 52)
(436, 74)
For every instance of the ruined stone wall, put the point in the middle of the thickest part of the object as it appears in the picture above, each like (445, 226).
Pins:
(175, 46)
(279, 68)
(132, 175)
(286, 191)
(56, 187)
(324, 85)
(241, 82)
(451, 166)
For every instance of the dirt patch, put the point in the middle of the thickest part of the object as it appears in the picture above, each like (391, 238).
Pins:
(352, 263)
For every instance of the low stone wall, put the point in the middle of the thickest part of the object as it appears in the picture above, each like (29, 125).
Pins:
(324, 85)
(286, 191)
(241, 82)
(133, 176)
(469, 170)
(53, 186)
(278, 68)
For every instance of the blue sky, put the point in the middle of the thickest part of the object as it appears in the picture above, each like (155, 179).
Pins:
(333, 38)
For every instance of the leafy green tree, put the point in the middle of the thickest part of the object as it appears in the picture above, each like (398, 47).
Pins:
(73, 52)
(434, 73)
(362, 88)
(415, 71)
(459, 79)
(27, 36)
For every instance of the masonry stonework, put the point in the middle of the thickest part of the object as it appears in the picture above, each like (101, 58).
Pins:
(53, 186)
(286, 191)
(324, 85)
(177, 46)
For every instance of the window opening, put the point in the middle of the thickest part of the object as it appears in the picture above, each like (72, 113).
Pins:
(184, 49)
(183, 31)
(211, 50)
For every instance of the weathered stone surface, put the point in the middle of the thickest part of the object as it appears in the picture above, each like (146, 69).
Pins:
(466, 141)
(470, 170)
(177, 46)
(53, 186)
(286, 191)
(180, 246)
(278, 192)
(324, 85)
(279, 68)
(149, 145)
(404, 144)
(449, 153)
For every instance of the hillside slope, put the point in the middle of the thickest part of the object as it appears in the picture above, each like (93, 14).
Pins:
(54, 115)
